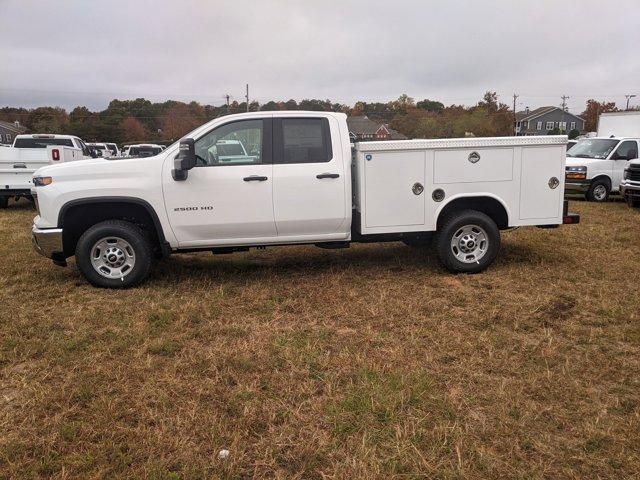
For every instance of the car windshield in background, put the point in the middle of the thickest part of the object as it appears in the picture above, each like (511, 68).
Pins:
(229, 150)
(144, 151)
(42, 142)
(592, 148)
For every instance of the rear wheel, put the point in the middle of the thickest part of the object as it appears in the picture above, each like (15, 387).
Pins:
(4, 201)
(598, 191)
(468, 241)
(114, 254)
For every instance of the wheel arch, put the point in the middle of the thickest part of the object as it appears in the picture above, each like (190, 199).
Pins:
(487, 203)
(603, 176)
(76, 216)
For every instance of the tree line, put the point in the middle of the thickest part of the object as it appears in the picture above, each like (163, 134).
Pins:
(140, 120)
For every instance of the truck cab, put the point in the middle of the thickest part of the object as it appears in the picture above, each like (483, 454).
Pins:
(595, 166)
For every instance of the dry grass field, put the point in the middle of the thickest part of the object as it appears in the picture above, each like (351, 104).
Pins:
(371, 362)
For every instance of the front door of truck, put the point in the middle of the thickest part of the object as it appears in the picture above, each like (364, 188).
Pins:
(626, 151)
(309, 177)
(227, 198)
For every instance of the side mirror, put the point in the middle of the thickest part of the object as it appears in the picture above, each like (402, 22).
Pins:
(185, 160)
(93, 153)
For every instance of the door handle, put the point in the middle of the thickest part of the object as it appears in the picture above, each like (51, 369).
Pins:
(328, 175)
(255, 178)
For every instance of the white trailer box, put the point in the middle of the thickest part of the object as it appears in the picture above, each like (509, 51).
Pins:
(619, 124)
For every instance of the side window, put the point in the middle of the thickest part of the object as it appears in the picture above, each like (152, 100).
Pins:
(83, 146)
(539, 126)
(627, 151)
(305, 140)
(8, 138)
(235, 143)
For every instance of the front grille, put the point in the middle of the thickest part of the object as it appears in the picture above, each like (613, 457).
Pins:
(634, 173)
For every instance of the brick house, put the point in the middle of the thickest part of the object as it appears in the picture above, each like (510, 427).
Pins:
(364, 129)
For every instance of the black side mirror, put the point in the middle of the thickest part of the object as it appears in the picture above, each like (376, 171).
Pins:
(185, 160)
(93, 153)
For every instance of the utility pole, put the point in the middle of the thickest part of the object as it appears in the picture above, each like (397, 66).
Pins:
(247, 97)
(564, 109)
(515, 120)
(628, 97)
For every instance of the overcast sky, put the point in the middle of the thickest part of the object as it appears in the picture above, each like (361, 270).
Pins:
(80, 52)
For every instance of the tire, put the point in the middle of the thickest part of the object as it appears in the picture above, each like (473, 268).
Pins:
(468, 242)
(118, 249)
(4, 201)
(598, 191)
(633, 203)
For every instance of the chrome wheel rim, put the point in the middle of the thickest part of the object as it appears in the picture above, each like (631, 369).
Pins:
(469, 243)
(113, 257)
(600, 192)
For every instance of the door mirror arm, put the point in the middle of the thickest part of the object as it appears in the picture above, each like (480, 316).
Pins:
(185, 160)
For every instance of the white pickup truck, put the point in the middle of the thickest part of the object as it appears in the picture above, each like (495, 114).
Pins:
(30, 152)
(297, 180)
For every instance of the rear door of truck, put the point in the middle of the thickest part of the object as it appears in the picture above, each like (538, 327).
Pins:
(309, 177)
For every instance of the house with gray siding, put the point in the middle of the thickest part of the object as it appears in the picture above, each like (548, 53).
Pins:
(545, 119)
(8, 131)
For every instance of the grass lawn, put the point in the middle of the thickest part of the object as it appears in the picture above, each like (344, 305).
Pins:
(371, 362)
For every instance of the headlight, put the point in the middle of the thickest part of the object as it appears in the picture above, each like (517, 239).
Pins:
(625, 175)
(42, 181)
(576, 173)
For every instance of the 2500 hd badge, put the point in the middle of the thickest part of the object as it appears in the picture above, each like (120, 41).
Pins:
(192, 209)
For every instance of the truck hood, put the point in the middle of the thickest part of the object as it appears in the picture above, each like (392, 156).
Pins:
(98, 165)
(585, 162)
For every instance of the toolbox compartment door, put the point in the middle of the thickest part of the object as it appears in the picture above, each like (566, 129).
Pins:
(389, 178)
(540, 166)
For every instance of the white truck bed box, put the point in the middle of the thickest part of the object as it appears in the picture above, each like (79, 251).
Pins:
(388, 171)
(17, 165)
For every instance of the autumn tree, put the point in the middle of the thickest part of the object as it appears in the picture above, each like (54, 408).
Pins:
(181, 119)
(593, 111)
(133, 130)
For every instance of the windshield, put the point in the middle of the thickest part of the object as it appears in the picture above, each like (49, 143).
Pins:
(144, 151)
(228, 150)
(42, 142)
(592, 148)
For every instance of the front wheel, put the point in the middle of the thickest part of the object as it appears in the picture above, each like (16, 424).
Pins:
(468, 242)
(598, 191)
(114, 254)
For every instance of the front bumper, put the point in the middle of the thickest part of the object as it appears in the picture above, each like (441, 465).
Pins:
(630, 191)
(576, 186)
(48, 242)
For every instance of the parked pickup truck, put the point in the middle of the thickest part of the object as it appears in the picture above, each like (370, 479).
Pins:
(297, 180)
(30, 152)
(630, 186)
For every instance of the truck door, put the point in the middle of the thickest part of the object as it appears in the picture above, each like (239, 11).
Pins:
(309, 177)
(626, 151)
(227, 198)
